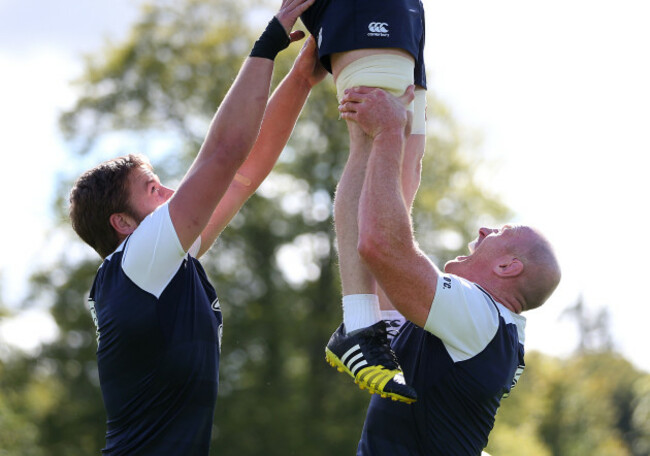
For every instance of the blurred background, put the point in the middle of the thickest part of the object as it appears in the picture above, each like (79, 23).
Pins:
(538, 114)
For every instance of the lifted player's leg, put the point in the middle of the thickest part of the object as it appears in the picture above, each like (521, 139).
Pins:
(374, 44)
(360, 346)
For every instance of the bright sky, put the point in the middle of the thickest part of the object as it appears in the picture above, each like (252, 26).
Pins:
(558, 90)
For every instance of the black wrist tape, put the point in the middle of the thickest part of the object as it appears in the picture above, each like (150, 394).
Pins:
(273, 40)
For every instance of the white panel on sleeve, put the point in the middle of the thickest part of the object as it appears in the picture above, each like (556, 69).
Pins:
(462, 316)
(153, 253)
(194, 249)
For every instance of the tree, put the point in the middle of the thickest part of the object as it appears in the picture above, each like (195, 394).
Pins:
(275, 266)
(18, 433)
(593, 403)
(593, 327)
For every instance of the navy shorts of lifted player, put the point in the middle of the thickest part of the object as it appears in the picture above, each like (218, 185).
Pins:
(467, 357)
(159, 328)
(347, 25)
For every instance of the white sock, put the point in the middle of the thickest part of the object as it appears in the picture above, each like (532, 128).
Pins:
(394, 321)
(360, 311)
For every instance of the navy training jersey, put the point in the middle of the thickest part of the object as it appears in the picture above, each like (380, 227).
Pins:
(159, 328)
(468, 356)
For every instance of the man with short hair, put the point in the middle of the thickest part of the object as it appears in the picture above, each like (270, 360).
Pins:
(378, 44)
(158, 318)
(462, 346)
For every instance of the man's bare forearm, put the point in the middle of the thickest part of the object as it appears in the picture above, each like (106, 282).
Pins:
(236, 124)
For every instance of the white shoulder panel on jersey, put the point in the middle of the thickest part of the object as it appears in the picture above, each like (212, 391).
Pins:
(153, 253)
(462, 316)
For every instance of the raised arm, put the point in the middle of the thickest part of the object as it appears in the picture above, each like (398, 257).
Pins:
(232, 132)
(280, 117)
(386, 242)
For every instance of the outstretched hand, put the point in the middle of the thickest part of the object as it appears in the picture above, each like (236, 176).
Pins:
(375, 110)
(289, 12)
(307, 64)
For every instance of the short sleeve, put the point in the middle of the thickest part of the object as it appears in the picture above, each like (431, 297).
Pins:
(194, 250)
(462, 316)
(153, 253)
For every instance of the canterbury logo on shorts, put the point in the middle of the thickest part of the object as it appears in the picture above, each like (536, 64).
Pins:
(378, 29)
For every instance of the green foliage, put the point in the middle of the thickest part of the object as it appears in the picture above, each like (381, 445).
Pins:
(18, 431)
(56, 392)
(582, 405)
(277, 395)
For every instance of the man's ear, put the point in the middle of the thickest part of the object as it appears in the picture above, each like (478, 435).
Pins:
(509, 267)
(122, 223)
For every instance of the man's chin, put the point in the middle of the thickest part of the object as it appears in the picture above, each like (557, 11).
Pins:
(454, 266)
(450, 266)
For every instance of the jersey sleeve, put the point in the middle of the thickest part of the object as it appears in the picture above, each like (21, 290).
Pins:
(462, 316)
(153, 252)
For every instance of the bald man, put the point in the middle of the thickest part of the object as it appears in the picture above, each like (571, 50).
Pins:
(462, 345)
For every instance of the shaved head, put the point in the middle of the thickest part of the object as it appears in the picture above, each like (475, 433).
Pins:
(541, 273)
